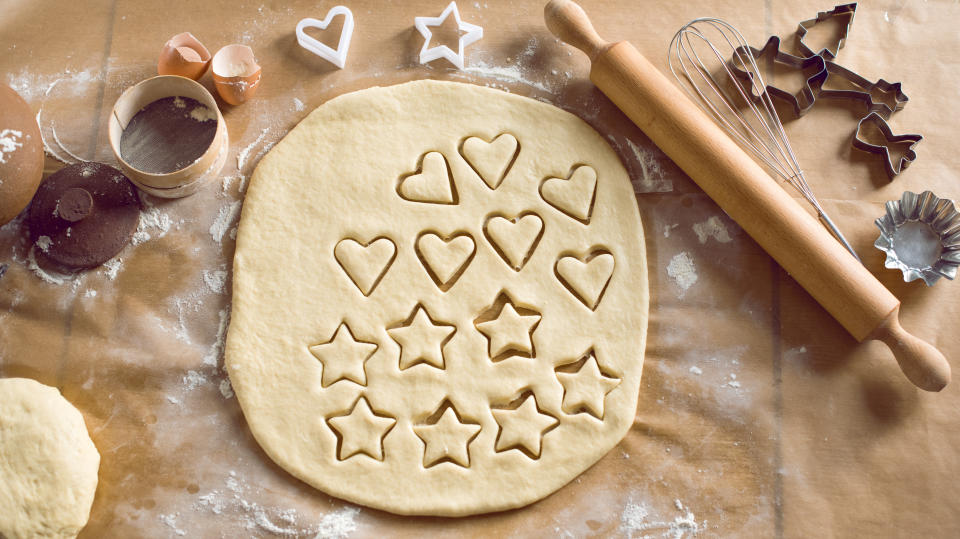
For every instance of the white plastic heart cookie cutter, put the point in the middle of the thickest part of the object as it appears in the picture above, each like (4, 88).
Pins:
(471, 33)
(336, 57)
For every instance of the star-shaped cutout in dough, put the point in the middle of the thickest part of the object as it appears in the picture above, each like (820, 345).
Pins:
(469, 33)
(421, 339)
(343, 357)
(586, 389)
(361, 431)
(523, 427)
(447, 440)
(510, 332)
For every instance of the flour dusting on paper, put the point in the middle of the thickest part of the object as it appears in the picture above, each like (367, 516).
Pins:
(233, 499)
(151, 220)
(683, 272)
(652, 178)
(112, 267)
(712, 228)
(171, 522)
(212, 357)
(215, 280)
(228, 214)
(637, 521)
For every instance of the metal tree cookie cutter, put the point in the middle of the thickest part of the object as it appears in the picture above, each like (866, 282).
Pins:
(471, 33)
(803, 101)
(921, 236)
(336, 57)
(889, 139)
(842, 11)
(881, 97)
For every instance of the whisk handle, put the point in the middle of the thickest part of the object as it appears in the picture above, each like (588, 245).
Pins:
(567, 20)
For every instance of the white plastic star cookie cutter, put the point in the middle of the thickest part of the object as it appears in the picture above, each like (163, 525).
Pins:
(471, 33)
(336, 57)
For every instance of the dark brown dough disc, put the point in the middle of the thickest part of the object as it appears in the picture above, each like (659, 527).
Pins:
(88, 210)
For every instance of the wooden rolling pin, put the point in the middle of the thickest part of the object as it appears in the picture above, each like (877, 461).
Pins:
(749, 195)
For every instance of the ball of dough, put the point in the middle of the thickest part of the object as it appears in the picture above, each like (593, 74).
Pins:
(48, 464)
(21, 154)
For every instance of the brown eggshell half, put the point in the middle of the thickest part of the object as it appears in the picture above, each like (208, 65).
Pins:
(185, 56)
(236, 73)
(21, 153)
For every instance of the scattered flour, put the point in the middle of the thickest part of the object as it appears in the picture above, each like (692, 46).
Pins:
(223, 221)
(203, 113)
(696, 370)
(712, 228)
(193, 380)
(652, 180)
(43, 242)
(226, 390)
(90, 293)
(212, 357)
(636, 521)
(215, 280)
(505, 73)
(9, 143)
(253, 516)
(245, 153)
(682, 271)
(339, 524)
(45, 276)
(111, 267)
(171, 521)
(151, 219)
(669, 228)
(179, 102)
(298, 105)
(31, 85)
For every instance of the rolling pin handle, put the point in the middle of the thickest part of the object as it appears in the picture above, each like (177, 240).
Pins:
(923, 364)
(567, 20)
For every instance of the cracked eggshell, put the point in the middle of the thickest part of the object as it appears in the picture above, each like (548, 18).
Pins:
(236, 73)
(183, 55)
(21, 154)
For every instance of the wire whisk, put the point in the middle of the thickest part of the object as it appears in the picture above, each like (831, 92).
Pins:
(698, 58)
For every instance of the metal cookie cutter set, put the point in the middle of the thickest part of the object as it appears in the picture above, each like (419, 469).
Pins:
(832, 80)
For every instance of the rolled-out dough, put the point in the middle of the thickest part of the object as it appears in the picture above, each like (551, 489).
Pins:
(440, 299)
(48, 464)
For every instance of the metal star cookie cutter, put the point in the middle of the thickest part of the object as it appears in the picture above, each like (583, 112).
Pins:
(921, 236)
(893, 169)
(863, 90)
(803, 101)
(471, 34)
(845, 10)
(336, 57)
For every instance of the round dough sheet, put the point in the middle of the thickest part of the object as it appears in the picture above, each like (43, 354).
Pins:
(440, 299)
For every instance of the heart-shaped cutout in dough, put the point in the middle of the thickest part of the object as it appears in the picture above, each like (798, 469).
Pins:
(574, 195)
(336, 57)
(365, 264)
(432, 183)
(445, 259)
(514, 239)
(491, 160)
(586, 277)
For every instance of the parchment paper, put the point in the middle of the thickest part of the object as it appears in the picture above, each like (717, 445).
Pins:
(758, 416)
